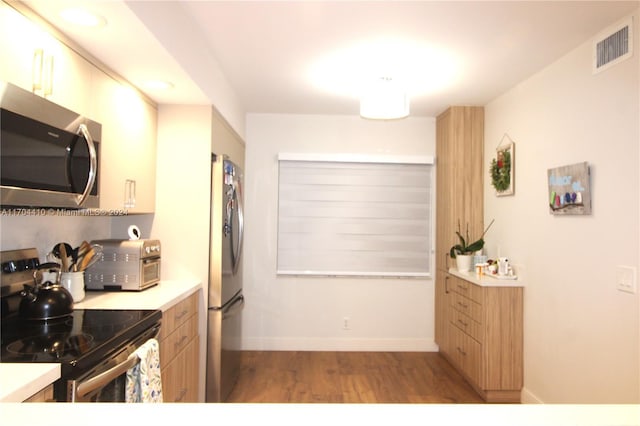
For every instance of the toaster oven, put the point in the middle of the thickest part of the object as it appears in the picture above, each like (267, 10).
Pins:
(125, 265)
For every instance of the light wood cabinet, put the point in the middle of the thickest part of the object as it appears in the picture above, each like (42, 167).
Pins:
(485, 329)
(459, 199)
(478, 329)
(179, 351)
(45, 395)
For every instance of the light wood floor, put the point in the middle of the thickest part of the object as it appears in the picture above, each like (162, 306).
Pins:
(350, 377)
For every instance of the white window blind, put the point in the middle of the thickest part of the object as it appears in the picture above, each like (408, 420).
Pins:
(354, 216)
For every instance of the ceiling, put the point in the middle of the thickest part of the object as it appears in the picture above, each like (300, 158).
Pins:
(313, 57)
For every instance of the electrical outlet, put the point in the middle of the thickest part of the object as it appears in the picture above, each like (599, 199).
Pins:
(346, 323)
(626, 279)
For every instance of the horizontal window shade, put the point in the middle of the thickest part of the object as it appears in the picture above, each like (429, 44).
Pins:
(354, 218)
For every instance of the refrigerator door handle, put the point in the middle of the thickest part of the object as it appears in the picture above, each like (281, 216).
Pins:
(234, 308)
(236, 252)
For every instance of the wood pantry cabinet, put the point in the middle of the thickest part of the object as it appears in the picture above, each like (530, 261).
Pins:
(179, 351)
(478, 328)
(459, 195)
(485, 337)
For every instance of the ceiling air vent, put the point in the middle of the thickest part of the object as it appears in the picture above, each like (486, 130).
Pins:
(612, 46)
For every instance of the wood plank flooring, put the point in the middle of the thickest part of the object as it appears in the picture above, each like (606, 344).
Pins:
(349, 377)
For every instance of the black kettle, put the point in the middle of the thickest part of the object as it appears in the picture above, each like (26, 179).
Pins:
(47, 300)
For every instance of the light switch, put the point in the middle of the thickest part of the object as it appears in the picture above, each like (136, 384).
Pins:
(626, 279)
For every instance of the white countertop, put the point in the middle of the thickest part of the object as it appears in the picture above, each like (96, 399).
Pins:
(486, 280)
(161, 296)
(20, 381)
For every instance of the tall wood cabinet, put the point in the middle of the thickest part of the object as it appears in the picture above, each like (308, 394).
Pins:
(459, 199)
(478, 325)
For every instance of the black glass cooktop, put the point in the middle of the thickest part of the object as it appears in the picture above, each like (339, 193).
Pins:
(76, 341)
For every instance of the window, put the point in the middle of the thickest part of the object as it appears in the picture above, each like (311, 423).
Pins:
(353, 215)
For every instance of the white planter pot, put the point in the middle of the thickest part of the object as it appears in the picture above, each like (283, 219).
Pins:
(463, 262)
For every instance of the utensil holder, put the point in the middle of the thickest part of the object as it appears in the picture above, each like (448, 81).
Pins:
(74, 283)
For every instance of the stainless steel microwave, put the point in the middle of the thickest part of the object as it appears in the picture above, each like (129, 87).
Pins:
(49, 155)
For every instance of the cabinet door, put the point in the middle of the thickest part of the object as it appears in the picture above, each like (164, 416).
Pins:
(128, 146)
(70, 73)
(442, 309)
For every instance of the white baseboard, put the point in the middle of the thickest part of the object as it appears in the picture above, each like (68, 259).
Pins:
(353, 345)
(527, 397)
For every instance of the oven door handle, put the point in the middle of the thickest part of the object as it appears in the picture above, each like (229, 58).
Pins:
(96, 382)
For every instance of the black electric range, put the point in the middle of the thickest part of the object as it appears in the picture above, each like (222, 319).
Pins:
(86, 343)
(77, 342)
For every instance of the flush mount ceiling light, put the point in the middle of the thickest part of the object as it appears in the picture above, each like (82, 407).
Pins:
(384, 99)
(82, 17)
(422, 69)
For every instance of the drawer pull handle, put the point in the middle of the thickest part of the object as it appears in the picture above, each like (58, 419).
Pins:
(181, 395)
(461, 287)
(463, 305)
(182, 314)
(461, 351)
(463, 323)
(181, 341)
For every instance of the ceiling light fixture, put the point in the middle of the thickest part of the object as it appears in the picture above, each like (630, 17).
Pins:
(82, 17)
(158, 85)
(384, 99)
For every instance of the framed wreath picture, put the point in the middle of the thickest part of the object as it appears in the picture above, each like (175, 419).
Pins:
(502, 169)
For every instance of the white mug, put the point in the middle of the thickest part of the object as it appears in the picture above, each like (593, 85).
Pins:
(74, 283)
(503, 266)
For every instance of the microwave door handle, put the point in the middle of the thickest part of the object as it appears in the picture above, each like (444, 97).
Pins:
(96, 382)
(93, 164)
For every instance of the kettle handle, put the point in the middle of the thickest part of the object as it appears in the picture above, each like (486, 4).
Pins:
(50, 267)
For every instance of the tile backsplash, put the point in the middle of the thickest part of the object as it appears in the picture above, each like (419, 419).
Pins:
(43, 232)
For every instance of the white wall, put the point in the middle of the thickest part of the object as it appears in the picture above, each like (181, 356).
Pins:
(581, 334)
(303, 313)
(183, 184)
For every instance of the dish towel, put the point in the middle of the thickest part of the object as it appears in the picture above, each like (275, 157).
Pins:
(144, 383)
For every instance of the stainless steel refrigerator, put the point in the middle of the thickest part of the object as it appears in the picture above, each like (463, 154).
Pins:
(225, 300)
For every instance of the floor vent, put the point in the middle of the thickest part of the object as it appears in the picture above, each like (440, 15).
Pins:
(612, 46)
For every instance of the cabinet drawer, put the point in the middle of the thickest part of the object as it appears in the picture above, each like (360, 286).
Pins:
(178, 340)
(467, 324)
(467, 289)
(175, 316)
(180, 377)
(466, 306)
(467, 353)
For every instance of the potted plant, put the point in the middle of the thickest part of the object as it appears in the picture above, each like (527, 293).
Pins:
(463, 252)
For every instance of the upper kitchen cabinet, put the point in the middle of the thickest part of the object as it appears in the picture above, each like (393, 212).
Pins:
(459, 179)
(38, 62)
(128, 150)
(32, 53)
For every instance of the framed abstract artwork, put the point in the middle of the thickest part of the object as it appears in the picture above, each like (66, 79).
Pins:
(570, 189)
